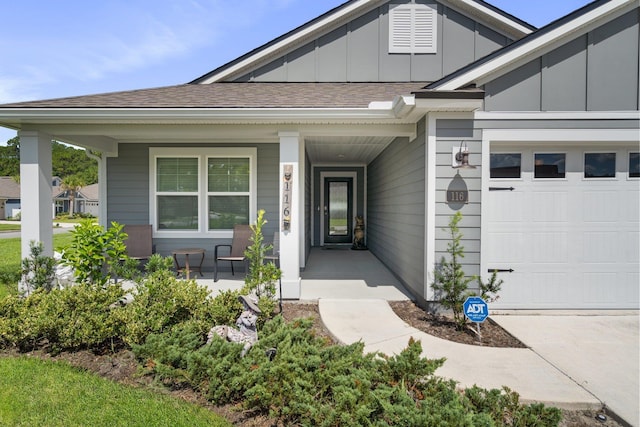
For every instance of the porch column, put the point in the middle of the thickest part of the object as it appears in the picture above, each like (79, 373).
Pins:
(36, 198)
(290, 247)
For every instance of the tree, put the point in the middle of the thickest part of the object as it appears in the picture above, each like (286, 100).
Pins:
(450, 284)
(10, 158)
(65, 161)
(72, 184)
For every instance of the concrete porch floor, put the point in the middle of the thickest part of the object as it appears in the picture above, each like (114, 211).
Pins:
(335, 272)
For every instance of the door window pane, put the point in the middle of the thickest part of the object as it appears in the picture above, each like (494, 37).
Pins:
(505, 165)
(634, 165)
(550, 165)
(177, 212)
(227, 211)
(600, 165)
(338, 204)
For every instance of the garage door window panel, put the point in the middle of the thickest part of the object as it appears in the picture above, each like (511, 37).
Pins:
(505, 165)
(550, 165)
(634, 165)
(599, 165)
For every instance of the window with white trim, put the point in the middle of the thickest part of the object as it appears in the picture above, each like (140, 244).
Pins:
(202, 191)
(413, 28)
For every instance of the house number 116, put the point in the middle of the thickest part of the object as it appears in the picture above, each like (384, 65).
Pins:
(287, 184)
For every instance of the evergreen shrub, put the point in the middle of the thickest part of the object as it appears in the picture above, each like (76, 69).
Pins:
(71, 318)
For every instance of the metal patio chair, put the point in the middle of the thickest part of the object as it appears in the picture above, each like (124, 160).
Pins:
(239, 243)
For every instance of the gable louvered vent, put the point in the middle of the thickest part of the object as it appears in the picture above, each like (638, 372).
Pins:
(413, 28)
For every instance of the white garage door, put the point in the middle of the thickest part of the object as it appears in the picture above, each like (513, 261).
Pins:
(565, 220)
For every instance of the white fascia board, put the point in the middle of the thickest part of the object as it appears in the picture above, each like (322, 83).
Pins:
(560, 135)
(289, 41)
(445, 105)
(181, 115)
(493, 15)
(481, 72)
(401, 105)
(557, 115)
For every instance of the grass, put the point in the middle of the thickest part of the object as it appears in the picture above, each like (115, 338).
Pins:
(10, 254)
(34, 392)
(9, 227)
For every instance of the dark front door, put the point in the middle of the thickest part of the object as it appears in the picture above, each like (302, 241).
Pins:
(338, 210)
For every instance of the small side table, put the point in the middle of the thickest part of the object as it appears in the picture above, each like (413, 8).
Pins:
(187, 267)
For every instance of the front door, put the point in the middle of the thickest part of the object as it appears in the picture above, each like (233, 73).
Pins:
(338, 210)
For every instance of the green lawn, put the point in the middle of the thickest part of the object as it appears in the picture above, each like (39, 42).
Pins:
(10, 256)
(34, 392)
(9, 227)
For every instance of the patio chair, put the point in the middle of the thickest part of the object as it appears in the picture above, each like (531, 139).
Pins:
(241, 235)
(140, 241)
(275, 250)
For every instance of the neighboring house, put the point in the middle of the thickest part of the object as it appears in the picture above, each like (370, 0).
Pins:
(9, 197)
(371, 109)
(86, 201)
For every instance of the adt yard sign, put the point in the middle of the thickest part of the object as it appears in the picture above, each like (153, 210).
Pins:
(476, 309)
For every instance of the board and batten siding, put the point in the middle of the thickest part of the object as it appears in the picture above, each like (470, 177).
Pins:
(358, 51)
(597, 71)
(396, 209)
(128, 193)
(449, 134)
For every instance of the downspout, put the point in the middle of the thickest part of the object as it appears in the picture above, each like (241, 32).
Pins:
(102, 187)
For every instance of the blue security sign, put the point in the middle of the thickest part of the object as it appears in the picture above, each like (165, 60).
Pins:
(476, 309)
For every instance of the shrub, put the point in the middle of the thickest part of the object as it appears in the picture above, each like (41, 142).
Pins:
(162, 301)
(71, 318)
(94, 250)
(311, 383)
(450, 284)
(38, 271)
(262, 277)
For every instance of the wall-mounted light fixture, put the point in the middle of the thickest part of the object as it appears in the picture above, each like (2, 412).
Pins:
(460, 158)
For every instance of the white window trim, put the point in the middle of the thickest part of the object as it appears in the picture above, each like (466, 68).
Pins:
(202, 154)
(404, 23)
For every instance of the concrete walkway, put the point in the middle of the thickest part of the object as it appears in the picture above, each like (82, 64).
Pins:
(558, 369)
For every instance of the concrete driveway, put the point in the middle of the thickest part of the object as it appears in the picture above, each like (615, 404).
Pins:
(600, 351)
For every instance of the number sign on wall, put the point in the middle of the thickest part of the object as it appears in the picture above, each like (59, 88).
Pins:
(287, 184)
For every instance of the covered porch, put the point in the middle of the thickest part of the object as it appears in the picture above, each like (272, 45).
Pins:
(337, 273)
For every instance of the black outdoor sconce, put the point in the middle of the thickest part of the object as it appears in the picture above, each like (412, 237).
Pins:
(461, 157)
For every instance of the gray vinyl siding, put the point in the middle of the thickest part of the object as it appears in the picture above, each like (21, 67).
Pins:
(597, 71)
(128, 194)
(358, 51)
(396, 210)
(128, 185)
(449, 134)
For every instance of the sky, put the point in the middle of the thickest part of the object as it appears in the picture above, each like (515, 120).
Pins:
(52, 49)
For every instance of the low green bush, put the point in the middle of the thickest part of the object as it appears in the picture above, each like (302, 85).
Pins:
(71, 318)
(162, 301)
(311, 383)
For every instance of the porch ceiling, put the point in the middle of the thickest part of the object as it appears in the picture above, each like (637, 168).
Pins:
(345, 149)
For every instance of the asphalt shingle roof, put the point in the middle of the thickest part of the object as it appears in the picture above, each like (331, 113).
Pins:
(237, 95)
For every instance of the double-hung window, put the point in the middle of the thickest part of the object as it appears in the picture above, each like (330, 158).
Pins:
(202, 191)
